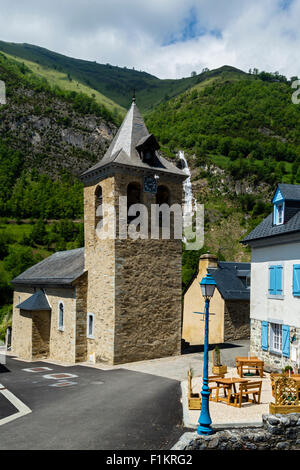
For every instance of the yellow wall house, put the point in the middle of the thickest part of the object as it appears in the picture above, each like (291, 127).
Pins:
(230, 303)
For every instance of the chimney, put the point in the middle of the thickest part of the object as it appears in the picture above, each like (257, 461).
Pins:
(207, 261)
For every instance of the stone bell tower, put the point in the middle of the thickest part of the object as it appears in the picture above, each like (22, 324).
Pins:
(134, 285)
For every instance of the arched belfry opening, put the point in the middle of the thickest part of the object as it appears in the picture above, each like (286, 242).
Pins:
(98, 207)
(133, 197)
(162, 197)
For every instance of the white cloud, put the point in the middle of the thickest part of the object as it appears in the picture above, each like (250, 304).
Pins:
(168, 38)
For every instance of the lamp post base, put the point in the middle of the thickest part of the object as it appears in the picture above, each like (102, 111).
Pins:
(206, 430)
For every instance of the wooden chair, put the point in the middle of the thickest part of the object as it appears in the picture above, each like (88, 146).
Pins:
(211, 379)
(246, 389)
(194, 399)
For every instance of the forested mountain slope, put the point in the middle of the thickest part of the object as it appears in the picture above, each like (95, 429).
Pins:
(46, 135)
(116, 83)
(241, 137)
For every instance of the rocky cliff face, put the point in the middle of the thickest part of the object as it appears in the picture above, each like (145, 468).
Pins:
(51, 134)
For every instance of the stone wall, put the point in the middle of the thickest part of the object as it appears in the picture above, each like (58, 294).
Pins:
(236, 320)
(100, 264)
(273, 362)
(134, 286)
(148, 287)
(278, 432)
(40, 334)
(26, 332)
(22, 326)
(81, 318)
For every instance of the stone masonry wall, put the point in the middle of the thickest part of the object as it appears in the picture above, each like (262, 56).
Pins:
(236, 320)
(148, 287)
(273, 362)
(81, 319)
(22, 325)
(40, 334)
(100, 263)
(279, 432)
(24, 332)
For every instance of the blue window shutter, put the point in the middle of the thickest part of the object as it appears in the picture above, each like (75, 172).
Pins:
(278, 280)
(264, 335)
(296, 279)
(286, 340)
(272, 280)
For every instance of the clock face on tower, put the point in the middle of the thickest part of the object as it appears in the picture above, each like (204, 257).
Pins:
(150, 185)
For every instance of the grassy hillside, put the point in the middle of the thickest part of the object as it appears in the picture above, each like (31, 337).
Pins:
(66, 82)
(115, 83)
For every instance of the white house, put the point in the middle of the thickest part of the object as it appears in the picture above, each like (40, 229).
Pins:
(275, 282)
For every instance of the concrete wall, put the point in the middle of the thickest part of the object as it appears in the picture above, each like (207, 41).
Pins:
(193, 328)
(285, 310)
(262, 306)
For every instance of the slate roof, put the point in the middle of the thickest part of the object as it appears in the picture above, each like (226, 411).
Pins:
(228, 279)
(37, 301)
(122, 151)
(266, 229)
(290, 192)
(61, 268)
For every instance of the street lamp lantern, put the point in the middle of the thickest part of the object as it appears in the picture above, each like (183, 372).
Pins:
(207, 285)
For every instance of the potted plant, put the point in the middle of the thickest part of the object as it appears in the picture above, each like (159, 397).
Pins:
(288, 370)
(217, 367)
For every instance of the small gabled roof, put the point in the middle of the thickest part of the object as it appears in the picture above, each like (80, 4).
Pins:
(266, 229)
(38, 301)
(290, 193)
(228, 276)
(123, 151)
(62, 268)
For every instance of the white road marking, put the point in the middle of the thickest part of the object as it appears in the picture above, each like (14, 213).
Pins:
(63, 384)
(21, 407)
(37, 369)
(59, 376)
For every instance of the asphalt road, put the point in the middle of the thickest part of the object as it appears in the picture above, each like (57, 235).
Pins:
(106, 410)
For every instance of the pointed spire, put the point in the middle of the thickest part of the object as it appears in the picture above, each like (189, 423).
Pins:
(123, 150)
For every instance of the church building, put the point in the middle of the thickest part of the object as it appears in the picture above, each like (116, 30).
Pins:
(117, 299)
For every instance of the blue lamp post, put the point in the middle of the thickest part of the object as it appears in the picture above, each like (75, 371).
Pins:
(207, 285)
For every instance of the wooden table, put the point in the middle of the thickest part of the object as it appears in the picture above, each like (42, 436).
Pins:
(252, 362)
(228, 384)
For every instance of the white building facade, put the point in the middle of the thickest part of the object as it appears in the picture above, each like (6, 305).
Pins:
(275, 282)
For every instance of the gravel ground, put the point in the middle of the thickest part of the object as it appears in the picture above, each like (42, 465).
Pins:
(221, 413)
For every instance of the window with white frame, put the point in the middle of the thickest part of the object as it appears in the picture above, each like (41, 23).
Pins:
(276, 337)
(61, 316)
(279, 215)
(90, 325)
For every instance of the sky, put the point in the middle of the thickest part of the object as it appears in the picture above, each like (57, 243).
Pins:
(167, 38)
